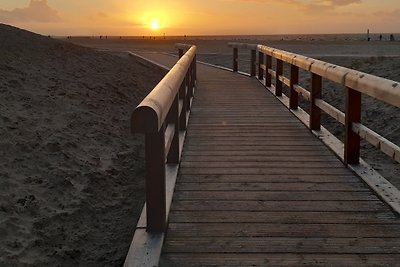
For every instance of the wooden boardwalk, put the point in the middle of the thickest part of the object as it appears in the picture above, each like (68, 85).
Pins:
(256, 188)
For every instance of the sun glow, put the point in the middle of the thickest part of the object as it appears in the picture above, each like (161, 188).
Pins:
(155, 24)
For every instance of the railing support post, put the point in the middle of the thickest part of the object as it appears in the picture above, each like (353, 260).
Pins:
(294, 79)
(279, 72)
(155, 181)
(268, 65)
(253, 56)
(315, 112)
(182, 96)
(188, 91)
(173, 117)
(235, 59)
(260, 63)
(195, 68)
(353, 115)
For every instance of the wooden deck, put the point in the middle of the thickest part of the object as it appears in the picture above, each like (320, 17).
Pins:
(256, 188)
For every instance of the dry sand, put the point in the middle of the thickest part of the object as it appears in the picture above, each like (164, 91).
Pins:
(71, 173)
(381, 58)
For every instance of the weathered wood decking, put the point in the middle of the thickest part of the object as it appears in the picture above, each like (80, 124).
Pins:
(256, 188)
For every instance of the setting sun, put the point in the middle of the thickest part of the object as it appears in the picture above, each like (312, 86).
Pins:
(154, 25)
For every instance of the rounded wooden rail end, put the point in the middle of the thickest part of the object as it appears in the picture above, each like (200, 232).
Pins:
(150, 114)
(144, 119)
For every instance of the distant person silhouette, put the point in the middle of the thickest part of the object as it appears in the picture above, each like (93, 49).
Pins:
(391, 37)
(380, 37)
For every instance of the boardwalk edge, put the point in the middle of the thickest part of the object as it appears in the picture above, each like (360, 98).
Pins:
(387, 192)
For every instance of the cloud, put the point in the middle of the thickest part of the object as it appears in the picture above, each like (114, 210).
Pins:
(37, 11)
(342, 2)
(311, 3)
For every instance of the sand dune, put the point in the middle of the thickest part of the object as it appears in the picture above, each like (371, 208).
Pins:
(71, 173)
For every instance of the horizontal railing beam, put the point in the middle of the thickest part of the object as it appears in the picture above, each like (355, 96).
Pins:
(302, 91)
(377, 140)
(380, 88)
(150, 114)
(331, 110)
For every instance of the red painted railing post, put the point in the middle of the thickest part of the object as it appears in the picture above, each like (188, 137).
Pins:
(279, 72)
(182, 97)
(353, 115)
(260, 63)
(268, 66)
(315, 112)
(155, 181)
(173, 117)
(294, 79)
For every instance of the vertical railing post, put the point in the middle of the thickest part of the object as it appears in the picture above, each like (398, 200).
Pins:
(268, 66)
(195, 68)
(279, 72)
(180, 52)
(173, 117)
(188, 91)
(155, 181)
(191, 82)
(235, 60)
(253, 56)
(315, 112)
(260, 68)
(182, 96)
(294, 79)
(353, 115)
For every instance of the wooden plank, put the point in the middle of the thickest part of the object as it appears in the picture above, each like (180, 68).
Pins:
(282, 205)
(290, 195)
(331, 110)
(264, 187)
(278, 82)
(145, 249)
(265, 171)
(189, 230)
(353, 115)
(260, 158)
(286, 217)
(271, 148)
(271, 178)
(315, 111)
(387, 147)
(258, 164)
(316, 152)
(302, 91)
(280, 259)
(283, 245)
(169, 136)
(294, 79)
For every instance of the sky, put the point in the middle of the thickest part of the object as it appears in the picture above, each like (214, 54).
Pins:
(201, 17)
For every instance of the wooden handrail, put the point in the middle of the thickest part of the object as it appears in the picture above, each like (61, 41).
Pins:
(355, 82)
(162, 117)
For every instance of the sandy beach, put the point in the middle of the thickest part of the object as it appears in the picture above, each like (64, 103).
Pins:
(71, 173)
(71, 185)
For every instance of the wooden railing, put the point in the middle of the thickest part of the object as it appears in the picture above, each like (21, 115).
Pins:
(162, 116)
(356, 83)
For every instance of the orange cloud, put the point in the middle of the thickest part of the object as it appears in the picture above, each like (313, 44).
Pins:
(37, 11)
(312, 3)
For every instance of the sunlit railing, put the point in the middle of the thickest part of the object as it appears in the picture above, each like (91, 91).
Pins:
(162, 116)
(355, 83)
